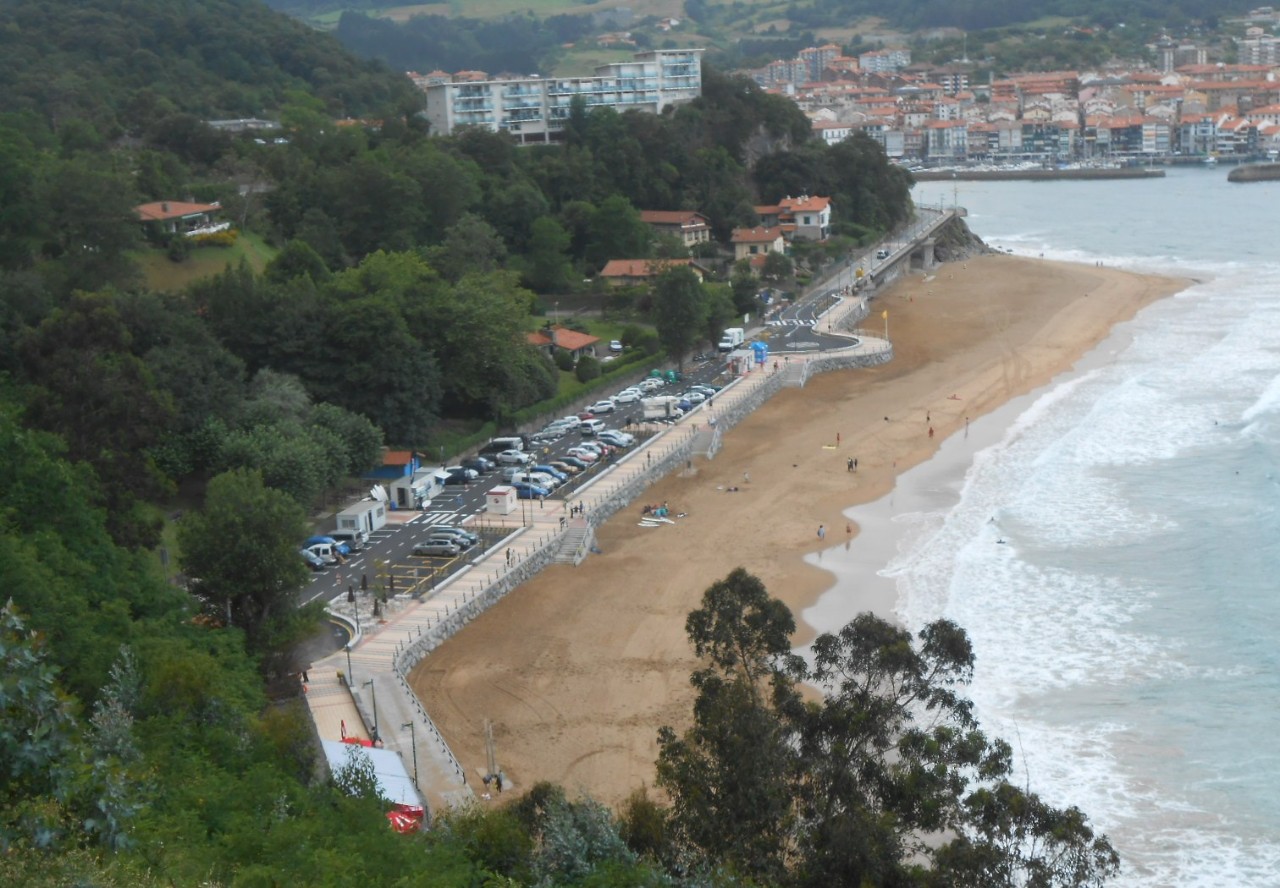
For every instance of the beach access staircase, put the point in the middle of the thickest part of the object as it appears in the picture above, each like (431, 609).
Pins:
(363, 690)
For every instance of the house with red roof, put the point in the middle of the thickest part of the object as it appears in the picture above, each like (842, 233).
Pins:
(555, 338)
(690, 227)
(633, 272)
(166, 217)
(804, 217)
(759, 241)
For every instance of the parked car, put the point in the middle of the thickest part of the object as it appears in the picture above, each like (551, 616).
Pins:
(650, 384)
(882, 254)
(538, 479)
(566, 467)
(627, 396)
(530, 491)
(570, 422)
(437, 549)
(513, 458)
(708, 390)
(592, 427)
(326, 552)
(600, 407)
(459, 475)
(480, 464)
(582, 453)
(463, 545)
(510, 472)
(314, 561)
(340, 547)
(460, 532)
(469, 474)
(617, 438)
(553, 472)
(693, 396)
(355, 540)
(615, 345)
(580, 464)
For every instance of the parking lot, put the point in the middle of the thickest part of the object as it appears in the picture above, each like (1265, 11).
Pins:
(388, 562)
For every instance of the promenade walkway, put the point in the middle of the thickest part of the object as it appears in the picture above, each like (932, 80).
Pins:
(362, 691)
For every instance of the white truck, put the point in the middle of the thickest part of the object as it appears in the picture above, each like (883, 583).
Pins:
(732, 338)
(661, 407)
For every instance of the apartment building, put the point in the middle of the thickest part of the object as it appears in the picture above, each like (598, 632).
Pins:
(535, 109)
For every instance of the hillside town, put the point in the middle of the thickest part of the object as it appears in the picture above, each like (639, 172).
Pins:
(1186, 105)
(1194, 102)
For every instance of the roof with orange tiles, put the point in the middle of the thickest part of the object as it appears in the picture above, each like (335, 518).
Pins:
(756, 235)
(804, 204)
(565, 338)
(172, 209)
(673, 217)
(397, 457)
(639, 267)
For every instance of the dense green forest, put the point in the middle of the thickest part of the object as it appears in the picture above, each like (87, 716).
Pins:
(138, 743)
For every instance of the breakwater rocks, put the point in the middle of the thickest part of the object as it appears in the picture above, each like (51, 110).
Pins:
(1255, 172)
(1039, 175)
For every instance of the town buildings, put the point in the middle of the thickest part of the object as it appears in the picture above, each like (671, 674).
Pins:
(942, 114)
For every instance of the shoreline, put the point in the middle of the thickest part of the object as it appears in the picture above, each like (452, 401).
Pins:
(579, 667)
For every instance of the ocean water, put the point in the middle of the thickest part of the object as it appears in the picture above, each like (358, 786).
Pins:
(1127, 630)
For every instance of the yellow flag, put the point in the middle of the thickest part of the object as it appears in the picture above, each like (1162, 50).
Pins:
(885, 314)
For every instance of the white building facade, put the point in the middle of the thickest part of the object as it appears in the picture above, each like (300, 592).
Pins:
(535, 109)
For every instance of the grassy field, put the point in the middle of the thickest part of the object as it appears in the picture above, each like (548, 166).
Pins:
(166, 276)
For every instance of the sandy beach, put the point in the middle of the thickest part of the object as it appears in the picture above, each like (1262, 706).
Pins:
(579, 668)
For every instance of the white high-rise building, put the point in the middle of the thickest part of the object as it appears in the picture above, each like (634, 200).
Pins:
(534, 109)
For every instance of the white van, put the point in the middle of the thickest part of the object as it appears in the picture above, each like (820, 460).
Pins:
(355, 539)
(326, 552)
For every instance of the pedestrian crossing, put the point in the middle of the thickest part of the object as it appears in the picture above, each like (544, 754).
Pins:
(792, 322)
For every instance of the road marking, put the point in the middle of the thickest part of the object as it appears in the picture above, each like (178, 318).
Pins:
(792, 322)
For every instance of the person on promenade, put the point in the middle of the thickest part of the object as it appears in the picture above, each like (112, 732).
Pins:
(822, 532)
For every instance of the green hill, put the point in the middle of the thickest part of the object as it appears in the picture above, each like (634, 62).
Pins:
(119, 64)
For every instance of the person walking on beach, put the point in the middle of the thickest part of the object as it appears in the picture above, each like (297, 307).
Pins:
(746, 476)
(930, 431)
(849, 465)
(837, 439)
(822, 532)
(855, 464)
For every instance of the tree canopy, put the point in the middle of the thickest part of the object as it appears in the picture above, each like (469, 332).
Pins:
(886, 780)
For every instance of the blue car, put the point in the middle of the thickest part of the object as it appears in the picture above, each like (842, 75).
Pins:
(524, 490)
(341, 548)
(552, 471)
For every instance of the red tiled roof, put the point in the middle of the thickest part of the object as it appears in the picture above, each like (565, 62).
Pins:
(397, 457)
(172, 209)
(640, 267)
(756, 235)
(570, 340)
(672, 217)
(805, 204)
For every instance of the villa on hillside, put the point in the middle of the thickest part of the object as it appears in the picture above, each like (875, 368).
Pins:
(556, 337)
(630, 272)
(163, 218)
(690, 227)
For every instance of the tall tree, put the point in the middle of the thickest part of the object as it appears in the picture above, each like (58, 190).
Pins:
(241, 548)
(679, 310)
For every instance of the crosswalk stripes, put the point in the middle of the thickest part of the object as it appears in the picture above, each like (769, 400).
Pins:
(792, 322)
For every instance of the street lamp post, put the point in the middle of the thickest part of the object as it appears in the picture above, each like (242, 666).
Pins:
(350, 677)
(373, 693)
(413, 743)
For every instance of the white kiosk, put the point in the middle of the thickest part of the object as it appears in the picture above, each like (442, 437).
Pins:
(500, 500)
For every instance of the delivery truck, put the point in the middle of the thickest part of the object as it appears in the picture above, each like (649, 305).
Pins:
(661, 407)
(732, 338)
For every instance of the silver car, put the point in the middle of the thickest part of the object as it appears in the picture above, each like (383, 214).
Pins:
(436, 549)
